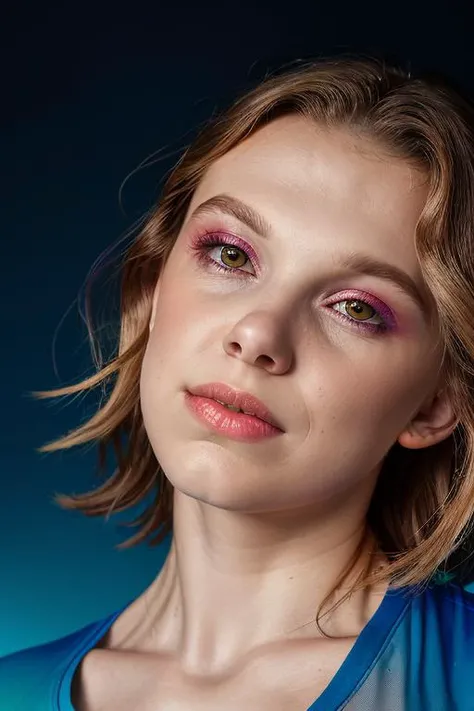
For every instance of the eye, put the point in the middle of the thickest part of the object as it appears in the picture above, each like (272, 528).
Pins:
(232, 256)
(226, 253)
(367, 314)
(359, 311)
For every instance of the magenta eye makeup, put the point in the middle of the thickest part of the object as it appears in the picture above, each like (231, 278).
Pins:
(364, 310)
(234, 257)
(202, 244)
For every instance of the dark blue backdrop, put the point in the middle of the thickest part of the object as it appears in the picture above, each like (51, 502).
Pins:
(87, 94)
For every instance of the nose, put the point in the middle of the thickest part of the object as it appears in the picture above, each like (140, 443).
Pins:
(259, 340)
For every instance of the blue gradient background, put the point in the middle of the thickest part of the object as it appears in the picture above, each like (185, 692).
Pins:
(89, 94)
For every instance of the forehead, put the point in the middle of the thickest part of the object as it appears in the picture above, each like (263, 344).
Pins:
(302, 174)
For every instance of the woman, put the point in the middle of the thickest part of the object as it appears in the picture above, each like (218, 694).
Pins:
(297, 353)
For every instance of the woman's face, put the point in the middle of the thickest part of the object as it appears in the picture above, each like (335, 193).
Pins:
(338, 348)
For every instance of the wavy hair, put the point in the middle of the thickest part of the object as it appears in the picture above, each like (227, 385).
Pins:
(423, 504)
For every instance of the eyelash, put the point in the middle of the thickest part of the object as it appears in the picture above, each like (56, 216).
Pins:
(203, 244)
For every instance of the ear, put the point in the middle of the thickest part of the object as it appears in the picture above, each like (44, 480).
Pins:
(433, 423)
(156, 294)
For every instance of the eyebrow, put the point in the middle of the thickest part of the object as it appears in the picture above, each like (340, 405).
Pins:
(361, 263)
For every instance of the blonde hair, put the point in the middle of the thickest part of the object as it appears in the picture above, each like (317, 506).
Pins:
(424, 500)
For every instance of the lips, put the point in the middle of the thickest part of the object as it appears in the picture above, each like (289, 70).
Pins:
(236, 398)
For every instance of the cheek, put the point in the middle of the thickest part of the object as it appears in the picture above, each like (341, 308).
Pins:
(171, 359)
(365, 400)
(176, 311)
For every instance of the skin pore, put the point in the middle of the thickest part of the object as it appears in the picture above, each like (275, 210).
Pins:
(262, 531)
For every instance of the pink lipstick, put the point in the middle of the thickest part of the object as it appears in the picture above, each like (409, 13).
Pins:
(251, 422)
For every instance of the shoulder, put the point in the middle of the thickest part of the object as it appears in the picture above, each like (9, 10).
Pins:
(32, 677)
(424, 652)
(440, 634)
(447, 610)
(450, 603)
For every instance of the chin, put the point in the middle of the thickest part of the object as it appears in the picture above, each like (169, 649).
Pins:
(228, 492)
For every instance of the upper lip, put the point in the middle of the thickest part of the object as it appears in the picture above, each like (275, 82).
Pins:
(238, 398)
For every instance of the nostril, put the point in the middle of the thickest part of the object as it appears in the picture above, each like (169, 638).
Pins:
(235, 348)
(265, 360)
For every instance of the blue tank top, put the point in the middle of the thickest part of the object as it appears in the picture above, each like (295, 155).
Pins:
(415, 654)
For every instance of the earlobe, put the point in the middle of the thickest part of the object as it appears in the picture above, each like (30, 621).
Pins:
(434, 422)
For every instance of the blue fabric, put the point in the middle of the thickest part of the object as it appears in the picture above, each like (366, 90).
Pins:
(415, 654)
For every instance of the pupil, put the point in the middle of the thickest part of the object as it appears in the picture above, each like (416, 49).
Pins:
(232, 254)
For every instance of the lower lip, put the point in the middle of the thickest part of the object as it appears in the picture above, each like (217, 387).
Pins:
(234, 425)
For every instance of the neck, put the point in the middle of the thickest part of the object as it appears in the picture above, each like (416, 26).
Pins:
(234, 582)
